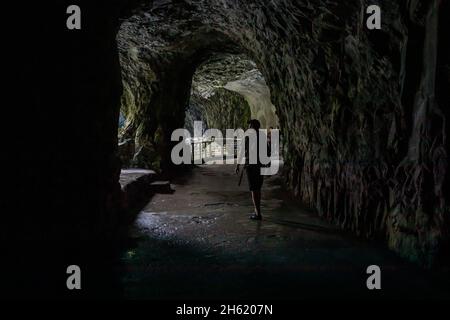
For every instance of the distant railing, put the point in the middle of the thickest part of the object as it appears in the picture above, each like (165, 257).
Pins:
(213, 149)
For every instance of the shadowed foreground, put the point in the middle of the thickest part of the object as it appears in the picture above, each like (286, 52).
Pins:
(199, 243)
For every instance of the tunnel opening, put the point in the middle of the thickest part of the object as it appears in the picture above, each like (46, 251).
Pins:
(170, 82)
(227, 92)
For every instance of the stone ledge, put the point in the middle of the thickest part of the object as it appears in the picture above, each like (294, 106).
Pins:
(132, 176)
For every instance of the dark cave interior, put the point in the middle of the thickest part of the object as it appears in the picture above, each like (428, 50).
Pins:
(363, 113)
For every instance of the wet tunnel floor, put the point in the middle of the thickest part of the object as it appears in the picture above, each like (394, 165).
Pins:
(198, 243)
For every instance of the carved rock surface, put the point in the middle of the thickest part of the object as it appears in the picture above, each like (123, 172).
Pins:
(364, 116)
(359, 110)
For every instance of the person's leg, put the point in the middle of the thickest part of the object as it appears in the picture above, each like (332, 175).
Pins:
(256, 197)
(255, 183)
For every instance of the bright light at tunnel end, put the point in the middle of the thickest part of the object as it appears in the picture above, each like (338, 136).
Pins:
(229, 150)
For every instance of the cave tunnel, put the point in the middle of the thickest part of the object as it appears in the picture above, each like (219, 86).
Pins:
(362, 116)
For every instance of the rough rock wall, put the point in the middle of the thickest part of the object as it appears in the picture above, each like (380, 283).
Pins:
(254, 89)
(419, 219)
(340, 93)
(366, 124)
(239, 74)
(159, 60)
(210, 101)
(195, 112)
(144, 69)
(223, 110)
(357, 108)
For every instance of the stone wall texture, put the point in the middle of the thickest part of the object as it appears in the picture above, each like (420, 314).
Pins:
(364, 115)
(360, 110)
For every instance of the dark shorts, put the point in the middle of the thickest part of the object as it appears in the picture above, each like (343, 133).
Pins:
(254, 177)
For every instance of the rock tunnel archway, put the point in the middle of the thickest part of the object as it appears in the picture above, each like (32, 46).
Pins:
(366, 127)
(338, 94)
(158, 66)
(232, 91)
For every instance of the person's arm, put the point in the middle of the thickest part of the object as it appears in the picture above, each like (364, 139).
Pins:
(242, 154)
